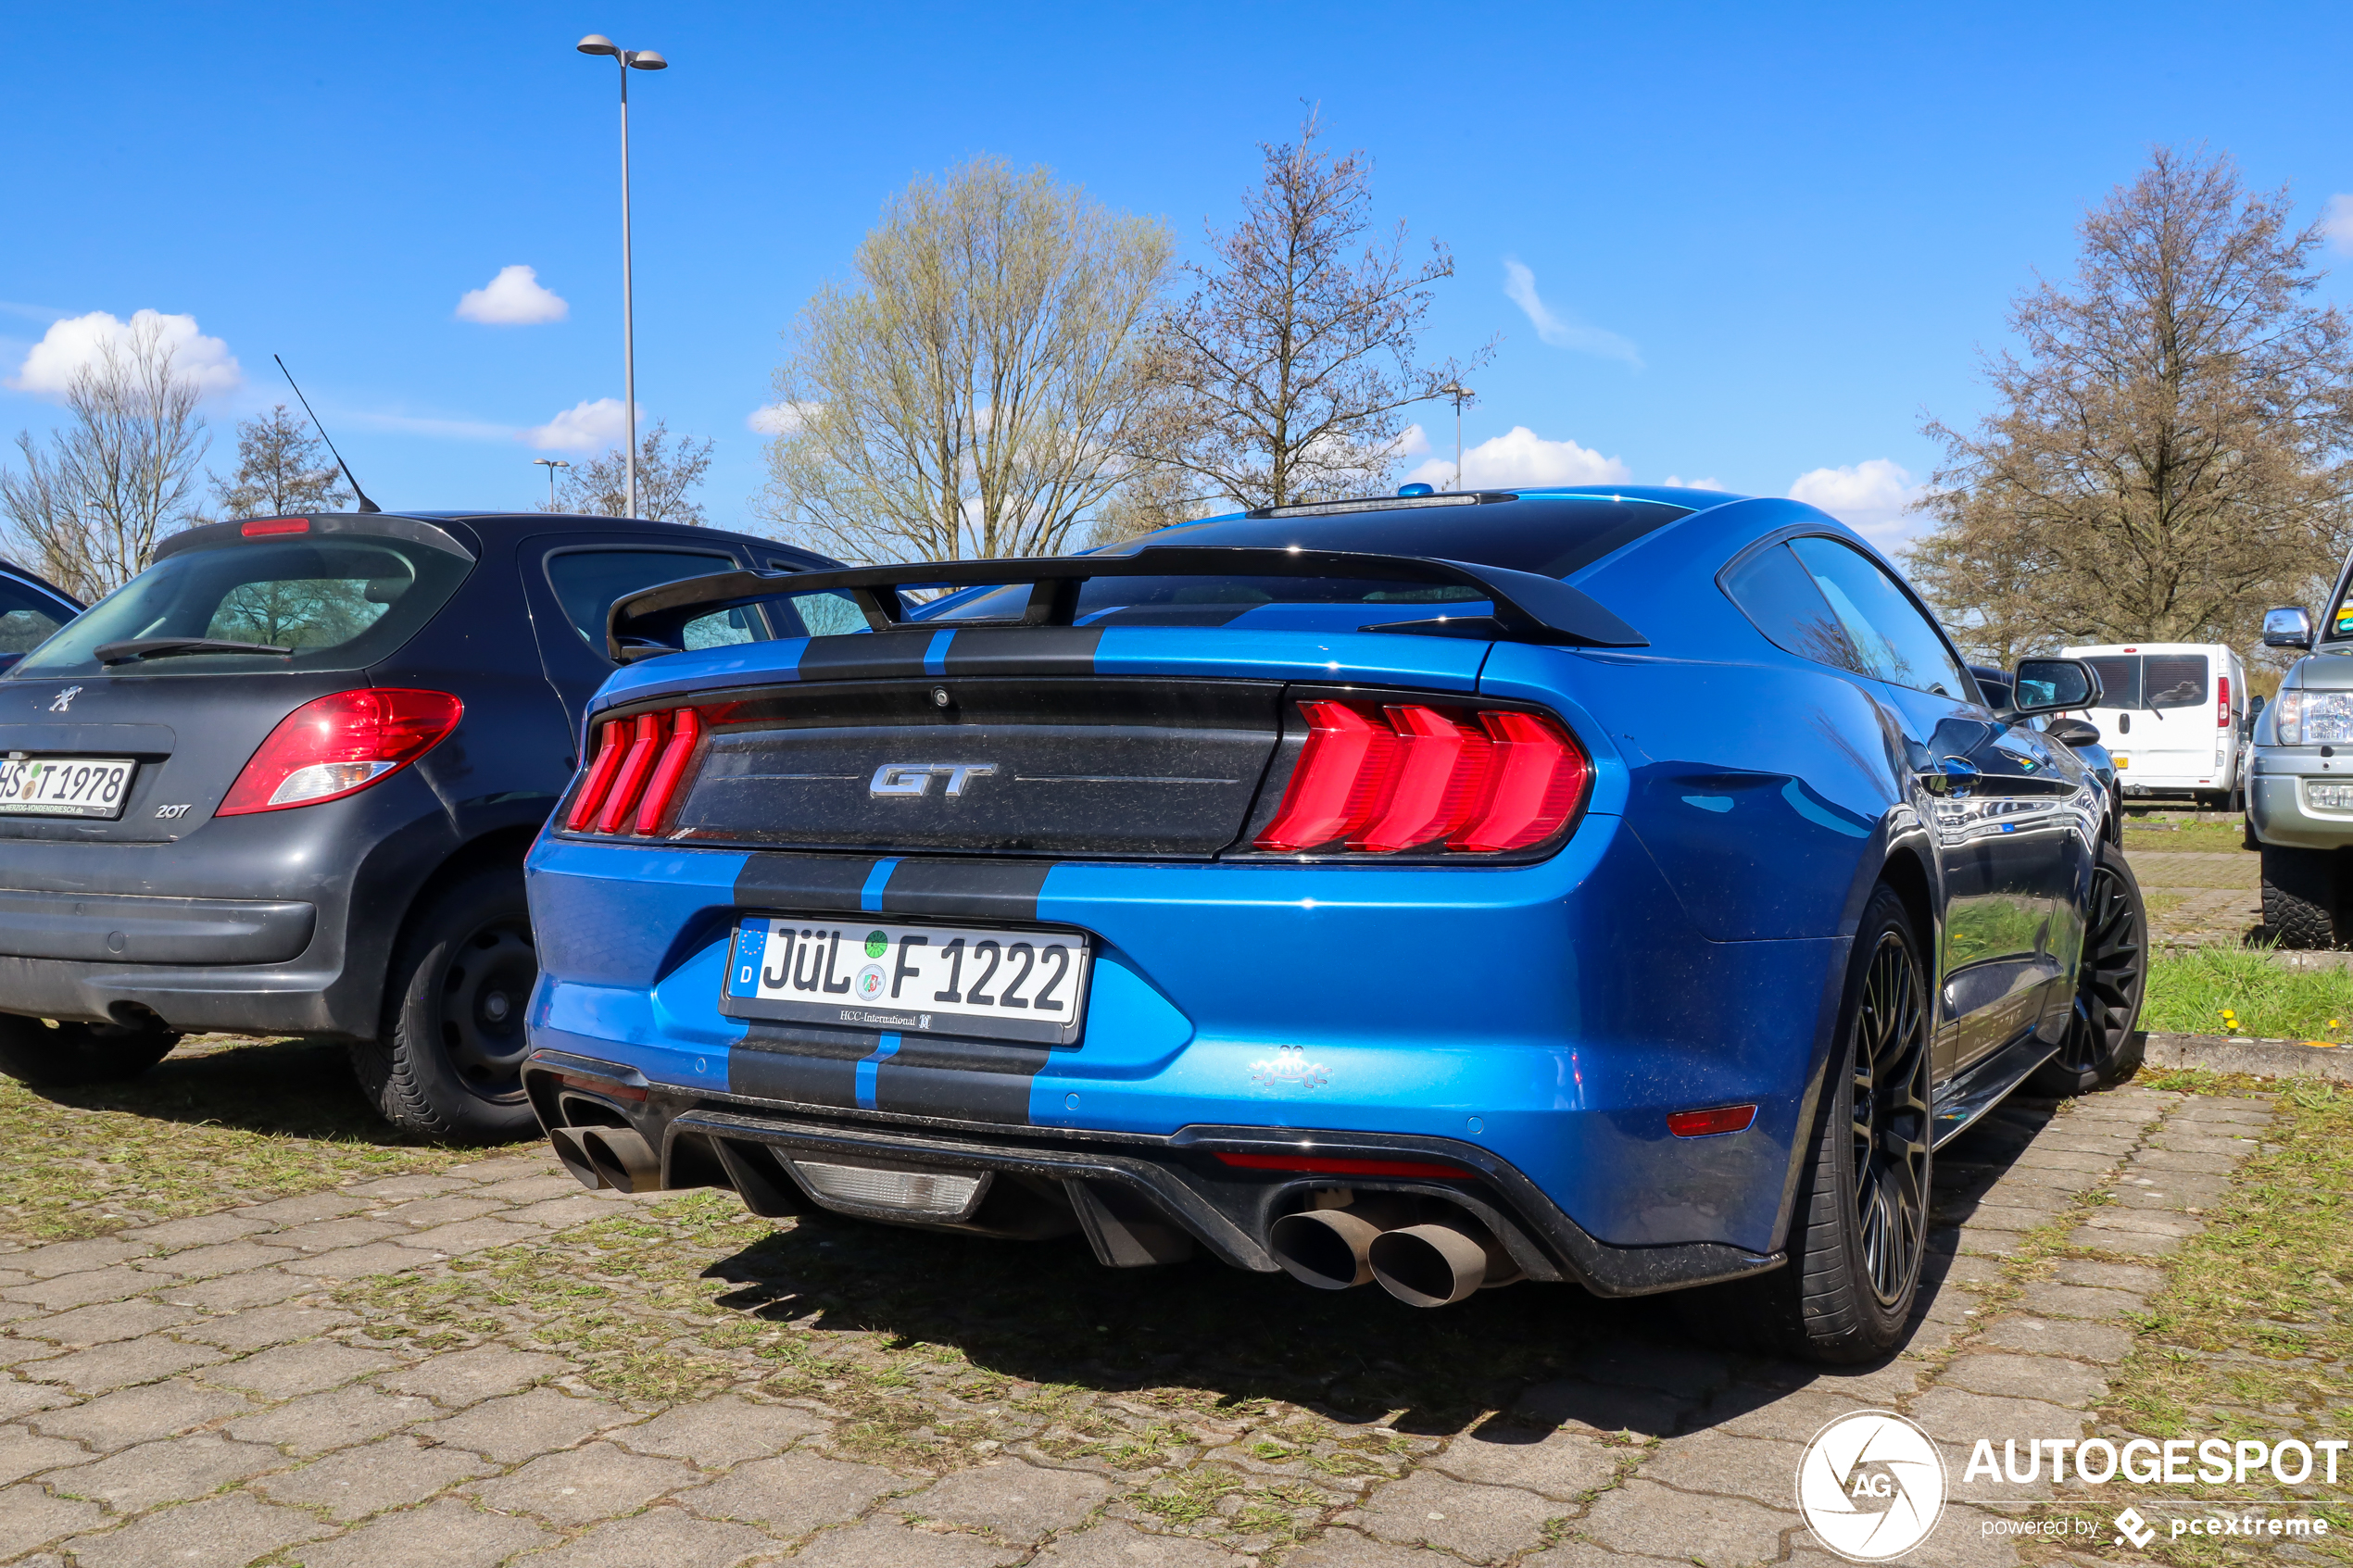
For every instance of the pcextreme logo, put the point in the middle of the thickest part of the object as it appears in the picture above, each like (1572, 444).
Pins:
(1872, 1486)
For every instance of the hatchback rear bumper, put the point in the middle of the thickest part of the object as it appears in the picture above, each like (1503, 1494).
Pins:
(129, 927)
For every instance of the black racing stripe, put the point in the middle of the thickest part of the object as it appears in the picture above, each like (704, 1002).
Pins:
(971, 1081)
(861, 656)
(817, 884)
(806, 1066)
(1004, 890)
(1021, 650)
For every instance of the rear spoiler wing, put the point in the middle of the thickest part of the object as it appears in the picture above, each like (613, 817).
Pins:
(1528, 608)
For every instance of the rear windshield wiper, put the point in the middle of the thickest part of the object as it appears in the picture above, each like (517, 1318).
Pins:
(136, 648)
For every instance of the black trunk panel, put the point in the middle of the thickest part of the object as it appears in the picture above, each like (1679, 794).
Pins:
(1124, 768)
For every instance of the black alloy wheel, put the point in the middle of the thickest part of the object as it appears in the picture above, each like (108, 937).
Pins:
(483, 996)
(2102, 1045)
(1888, 1122)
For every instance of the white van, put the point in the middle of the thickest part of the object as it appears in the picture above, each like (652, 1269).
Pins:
(2170, 715)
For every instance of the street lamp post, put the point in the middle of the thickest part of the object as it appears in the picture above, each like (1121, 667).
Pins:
(1461, 395)
(640, 59)
(551, 465)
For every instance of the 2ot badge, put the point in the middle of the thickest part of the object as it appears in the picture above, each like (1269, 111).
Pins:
(1872, 1486)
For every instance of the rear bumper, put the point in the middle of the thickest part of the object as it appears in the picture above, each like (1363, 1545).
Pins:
(1119, 1183)
(119, 927)
(1551, 1015)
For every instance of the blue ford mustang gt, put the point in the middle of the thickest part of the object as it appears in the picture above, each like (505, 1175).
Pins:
(1629, 888)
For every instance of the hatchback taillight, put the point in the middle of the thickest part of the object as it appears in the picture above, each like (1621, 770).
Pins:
(1382, 779)
(639, 764)
(339, 744)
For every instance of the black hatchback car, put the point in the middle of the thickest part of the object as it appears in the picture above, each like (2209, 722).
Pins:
(282, 781)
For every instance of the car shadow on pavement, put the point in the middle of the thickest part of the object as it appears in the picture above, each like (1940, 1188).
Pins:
(1511, 1362)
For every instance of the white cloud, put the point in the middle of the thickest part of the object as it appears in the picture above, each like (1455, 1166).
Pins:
(778, 419)
(1522, 457)
(419, 424)
(514, 298)
(2337, 221)
(48, 370)
(583, 427)
(1562, 331)
(1872, 497)
(1674, 482)
(1414, 441)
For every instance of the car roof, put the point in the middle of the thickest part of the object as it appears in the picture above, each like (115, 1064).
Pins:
(503, 527)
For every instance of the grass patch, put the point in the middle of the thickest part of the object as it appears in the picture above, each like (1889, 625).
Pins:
(2208, 838)
(222, 1120)
(2189, 991)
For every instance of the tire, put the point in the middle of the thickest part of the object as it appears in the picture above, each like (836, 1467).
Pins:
(1860, 1227)
(448, 1064)
(2103, 1045)
(2300, 897)
(63, 1055)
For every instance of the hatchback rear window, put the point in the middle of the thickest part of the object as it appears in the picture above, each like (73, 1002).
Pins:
(342, 601)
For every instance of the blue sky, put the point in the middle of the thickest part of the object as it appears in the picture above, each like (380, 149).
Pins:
(1735, 244)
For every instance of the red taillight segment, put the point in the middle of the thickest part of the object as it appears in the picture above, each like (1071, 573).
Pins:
(1413, 776)
(336, 745)
(686, 728)
(639, 764)
(265, 526)
(1331, 1165)
(635, 764)
(1708, 1124)
(2222, 702)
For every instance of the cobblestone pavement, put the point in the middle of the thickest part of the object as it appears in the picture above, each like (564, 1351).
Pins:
(2197, 898)
(463, 1368)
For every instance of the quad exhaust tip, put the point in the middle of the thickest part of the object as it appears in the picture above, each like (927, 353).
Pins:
(608, 1157)
(1433, 1264)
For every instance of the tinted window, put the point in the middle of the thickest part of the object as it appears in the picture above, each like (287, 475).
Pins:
(1898, 641)
(1779, 596)
(2173, 680)
(586, 583)
(1551, 537)
(339, 601)
(2119, 679)
(25, 619)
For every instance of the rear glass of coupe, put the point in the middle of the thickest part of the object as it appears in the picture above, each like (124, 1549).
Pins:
(339, 601)
(1551, 537)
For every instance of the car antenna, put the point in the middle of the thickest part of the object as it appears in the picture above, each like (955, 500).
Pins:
(365, 504)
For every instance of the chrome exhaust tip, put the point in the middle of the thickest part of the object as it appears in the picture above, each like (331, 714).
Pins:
(1440, 1263)
(622, 1158)
(566, 1143)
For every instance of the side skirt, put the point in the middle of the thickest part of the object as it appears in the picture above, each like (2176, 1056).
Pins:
(1968, 1094)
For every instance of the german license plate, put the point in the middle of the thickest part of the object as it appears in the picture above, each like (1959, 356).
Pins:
(995, 984)
(65, 786)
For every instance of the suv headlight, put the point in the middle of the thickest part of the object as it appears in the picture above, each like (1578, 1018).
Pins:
(2315, 718)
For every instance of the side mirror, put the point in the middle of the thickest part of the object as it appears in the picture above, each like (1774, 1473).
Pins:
(2074, 732)
(2289, 628)
(2053, 685)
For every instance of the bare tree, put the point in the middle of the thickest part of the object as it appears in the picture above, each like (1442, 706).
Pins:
(283, 469)
(89, 507)
(666, 476)
(978, 391)
(1294, 355)
(2169, 452)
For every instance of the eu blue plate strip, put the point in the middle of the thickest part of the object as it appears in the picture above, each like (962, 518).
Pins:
(870, 1068)
(870, 896)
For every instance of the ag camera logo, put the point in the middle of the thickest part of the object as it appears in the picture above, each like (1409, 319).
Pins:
(1872, 1486)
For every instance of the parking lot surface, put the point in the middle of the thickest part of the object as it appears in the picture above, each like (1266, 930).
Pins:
(488, 1363)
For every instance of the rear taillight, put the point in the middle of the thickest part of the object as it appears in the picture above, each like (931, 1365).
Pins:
(1381, 779)
(2222, 702)
(337, 745)
(638, 766)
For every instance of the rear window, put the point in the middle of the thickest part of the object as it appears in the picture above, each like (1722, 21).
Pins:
(342, 601)
(2140, 683)
(1551, 537)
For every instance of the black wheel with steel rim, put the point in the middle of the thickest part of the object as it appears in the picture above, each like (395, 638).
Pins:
(1888, 1120)
(2103, 1045)
(484, 990)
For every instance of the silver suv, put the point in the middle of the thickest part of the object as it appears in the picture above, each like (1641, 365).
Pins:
(2300, 797)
